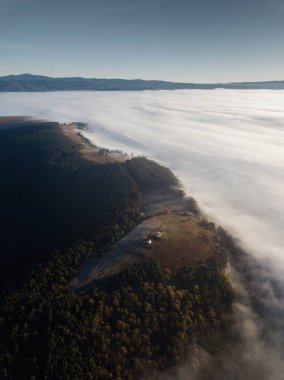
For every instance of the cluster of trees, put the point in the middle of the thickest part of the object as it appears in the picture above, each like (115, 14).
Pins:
(50, 197)
(143, 320)
(56, 210)
(149, 175)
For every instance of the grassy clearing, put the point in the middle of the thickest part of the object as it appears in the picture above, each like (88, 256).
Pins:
(89, 151)
(184, 242)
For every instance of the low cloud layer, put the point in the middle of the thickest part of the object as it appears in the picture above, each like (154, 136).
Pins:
(227, 147)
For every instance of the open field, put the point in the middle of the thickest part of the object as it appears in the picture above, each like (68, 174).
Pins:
(184, 241)
(89, 151)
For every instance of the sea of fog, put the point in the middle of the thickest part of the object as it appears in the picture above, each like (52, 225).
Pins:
(227, 148)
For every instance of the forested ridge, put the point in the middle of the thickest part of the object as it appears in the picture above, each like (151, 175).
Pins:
(51, 197)
(40, 83)
(57, 209)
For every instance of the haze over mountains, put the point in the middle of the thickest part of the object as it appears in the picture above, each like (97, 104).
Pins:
(40, 83)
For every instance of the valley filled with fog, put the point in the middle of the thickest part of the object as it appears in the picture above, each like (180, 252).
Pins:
(227, 148)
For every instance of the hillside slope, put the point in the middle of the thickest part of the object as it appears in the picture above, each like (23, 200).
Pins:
(58, 209)
(33, 83)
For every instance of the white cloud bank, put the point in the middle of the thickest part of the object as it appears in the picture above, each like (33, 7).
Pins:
(227, 146)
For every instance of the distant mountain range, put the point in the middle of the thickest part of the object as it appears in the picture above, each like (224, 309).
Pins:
(33, 83)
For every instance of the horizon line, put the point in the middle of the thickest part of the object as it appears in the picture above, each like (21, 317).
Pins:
(139, 79)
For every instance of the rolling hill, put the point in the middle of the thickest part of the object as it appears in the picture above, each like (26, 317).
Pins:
(40, 83)
(60, 208)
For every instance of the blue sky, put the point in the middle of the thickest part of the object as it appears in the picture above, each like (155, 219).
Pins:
(179, 40)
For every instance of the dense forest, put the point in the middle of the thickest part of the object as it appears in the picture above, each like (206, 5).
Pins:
(57, 209)
(50, 197)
